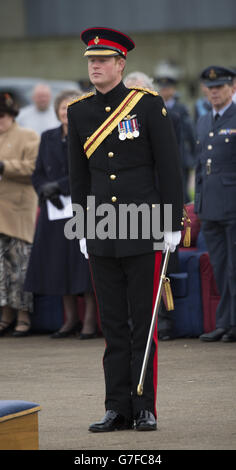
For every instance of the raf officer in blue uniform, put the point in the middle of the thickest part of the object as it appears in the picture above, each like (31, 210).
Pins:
(215, 194)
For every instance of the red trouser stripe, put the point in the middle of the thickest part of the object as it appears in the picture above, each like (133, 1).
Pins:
(158, 258)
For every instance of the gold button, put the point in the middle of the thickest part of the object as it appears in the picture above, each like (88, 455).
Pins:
(112, 177)
(110, 154)
(209, 147)
(227, 140)
(153, 205)
(107, 109)
(88, 208)
(211, 134)
(114, 198)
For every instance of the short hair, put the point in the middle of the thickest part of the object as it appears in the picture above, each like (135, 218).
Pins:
(64, 95)
(139, 79)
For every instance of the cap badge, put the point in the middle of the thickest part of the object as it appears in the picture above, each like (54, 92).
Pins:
(96, 40)
(212, 74)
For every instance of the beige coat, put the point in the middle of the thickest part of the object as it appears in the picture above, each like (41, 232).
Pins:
(18, 200)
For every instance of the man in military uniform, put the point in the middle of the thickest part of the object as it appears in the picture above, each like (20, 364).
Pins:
(116, 138)
(215, 194)
(167, 87)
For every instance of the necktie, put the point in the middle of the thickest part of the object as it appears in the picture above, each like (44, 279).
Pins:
(217, 116)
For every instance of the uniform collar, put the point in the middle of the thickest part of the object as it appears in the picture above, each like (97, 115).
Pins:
(221, 111)
(170, 103)
(118, 92)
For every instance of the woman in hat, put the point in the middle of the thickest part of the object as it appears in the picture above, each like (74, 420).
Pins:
(18, 204)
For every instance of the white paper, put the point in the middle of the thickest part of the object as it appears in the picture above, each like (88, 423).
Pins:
(65, 213)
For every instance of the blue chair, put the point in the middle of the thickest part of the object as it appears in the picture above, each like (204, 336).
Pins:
(186, 289)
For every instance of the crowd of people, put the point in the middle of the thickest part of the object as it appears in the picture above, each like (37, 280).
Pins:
(36, 257)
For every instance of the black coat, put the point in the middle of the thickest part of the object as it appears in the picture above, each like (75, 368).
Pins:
(215, 192)
(188, 137)
(125, 169)
(56, 265)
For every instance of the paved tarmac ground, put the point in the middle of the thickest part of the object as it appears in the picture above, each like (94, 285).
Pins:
(195, 399)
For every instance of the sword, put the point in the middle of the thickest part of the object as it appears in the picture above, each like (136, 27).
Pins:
(153, 322)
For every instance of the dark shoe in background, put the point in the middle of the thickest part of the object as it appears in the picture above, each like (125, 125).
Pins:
(215, 335)
(230, 335)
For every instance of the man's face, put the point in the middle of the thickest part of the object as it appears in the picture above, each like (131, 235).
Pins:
(220, 96)
(42, 98)
(167, 92)
(105, 72)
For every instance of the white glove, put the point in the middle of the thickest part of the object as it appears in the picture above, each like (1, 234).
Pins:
(171, 240)
(83, 247)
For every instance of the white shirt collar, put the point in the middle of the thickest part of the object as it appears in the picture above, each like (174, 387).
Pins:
(221, 111)
(170, 103)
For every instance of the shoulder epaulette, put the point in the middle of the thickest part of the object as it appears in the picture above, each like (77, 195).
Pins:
(146, 90)
(83, 97)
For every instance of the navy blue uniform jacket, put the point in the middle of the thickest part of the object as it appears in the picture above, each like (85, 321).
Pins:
(215, 194)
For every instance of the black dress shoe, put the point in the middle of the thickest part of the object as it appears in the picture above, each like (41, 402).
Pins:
(230, 336)
(24, 332)
(64, 334)
(145, 421)
(5, 327)
(88, 335)
(165, 335)
(112, 421)
(215, 335)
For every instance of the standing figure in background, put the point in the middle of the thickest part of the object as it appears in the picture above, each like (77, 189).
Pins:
(18, 205)
(56, 265)
(215, 194)
(167, 88)
(40, 115)
(165, 317)
(202, 105)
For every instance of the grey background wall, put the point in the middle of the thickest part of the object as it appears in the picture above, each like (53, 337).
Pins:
(40, 38)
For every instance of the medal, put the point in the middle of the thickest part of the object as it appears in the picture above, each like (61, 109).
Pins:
(129, 135)
(135, 130)
(227, 131)
(128, 128)
(121, 129)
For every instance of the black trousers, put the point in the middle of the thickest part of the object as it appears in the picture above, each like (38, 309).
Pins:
(125, 293)
(220, 239)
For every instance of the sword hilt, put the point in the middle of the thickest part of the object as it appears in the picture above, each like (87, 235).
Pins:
(139, 390)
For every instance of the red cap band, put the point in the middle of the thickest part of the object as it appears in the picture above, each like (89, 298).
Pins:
(105, 42)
